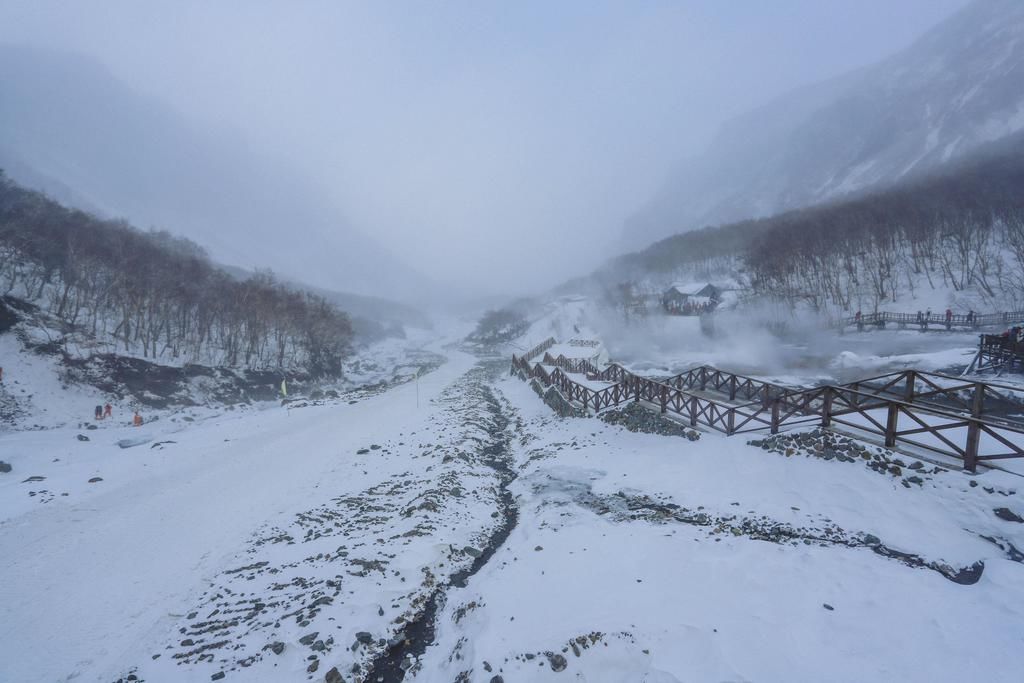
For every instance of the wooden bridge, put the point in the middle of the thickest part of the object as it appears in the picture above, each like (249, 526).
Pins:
(965, 420)
(932, 321)
(998, 353)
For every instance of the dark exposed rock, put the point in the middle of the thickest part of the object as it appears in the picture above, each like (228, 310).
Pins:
(1008, 515)
(82, 437)
(132, 443)
(364, 638)
(557, 662)
(4, 467)
(277, 647)
(95, 479)
(217, 676)
(637, 418)
(829, 446)
(556, 401)
(334, 676)
(309, 638)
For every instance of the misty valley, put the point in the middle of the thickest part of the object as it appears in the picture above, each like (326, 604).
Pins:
(501, 343)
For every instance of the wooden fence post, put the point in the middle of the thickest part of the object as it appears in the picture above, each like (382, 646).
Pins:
(703, 377)
(908, 393)
(775, 416)
(826, 407)
(891, 423)
(693, 411)
(971, 448)
(974, 429)
(636, 389)
(732, 387)
(664, 399)
(730, 421)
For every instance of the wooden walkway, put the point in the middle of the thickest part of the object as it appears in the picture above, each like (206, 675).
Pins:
(934, 322)
(965, 420)
(998, 354)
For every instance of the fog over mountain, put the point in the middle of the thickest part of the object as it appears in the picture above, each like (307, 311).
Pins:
(67, 126)
(352, 144)
(957, 87)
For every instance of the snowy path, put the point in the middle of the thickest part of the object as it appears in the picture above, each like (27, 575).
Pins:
(82, 581)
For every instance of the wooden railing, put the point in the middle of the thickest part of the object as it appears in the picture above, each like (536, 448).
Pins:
(707, 378)
(997, 352)
(938, 320)
(999, 343)
(899, 407)
(571, 364)
(538, 349)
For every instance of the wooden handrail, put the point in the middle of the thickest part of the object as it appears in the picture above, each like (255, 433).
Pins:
(939, 319)
(777, 407)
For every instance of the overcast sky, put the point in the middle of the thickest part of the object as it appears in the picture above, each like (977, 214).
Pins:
(495, 131)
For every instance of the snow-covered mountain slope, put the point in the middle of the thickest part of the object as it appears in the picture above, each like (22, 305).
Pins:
(959, 86)
(54, 376)
(68, 127)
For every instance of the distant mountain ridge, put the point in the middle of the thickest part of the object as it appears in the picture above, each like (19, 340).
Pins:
(69, 128)
(956, 88)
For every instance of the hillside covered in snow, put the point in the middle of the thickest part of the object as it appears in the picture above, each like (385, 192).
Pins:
(955, 89)
(952, 238)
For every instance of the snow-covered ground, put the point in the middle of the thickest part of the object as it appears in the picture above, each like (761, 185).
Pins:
(453, 528)
(96, 578)
(633, 559)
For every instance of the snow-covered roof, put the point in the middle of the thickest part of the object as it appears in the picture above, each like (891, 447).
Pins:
(691, 289)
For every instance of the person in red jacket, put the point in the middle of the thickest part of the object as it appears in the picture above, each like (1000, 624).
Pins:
(108, 411)
(137, 420)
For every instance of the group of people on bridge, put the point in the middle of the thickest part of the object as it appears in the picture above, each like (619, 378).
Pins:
(925, 318)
